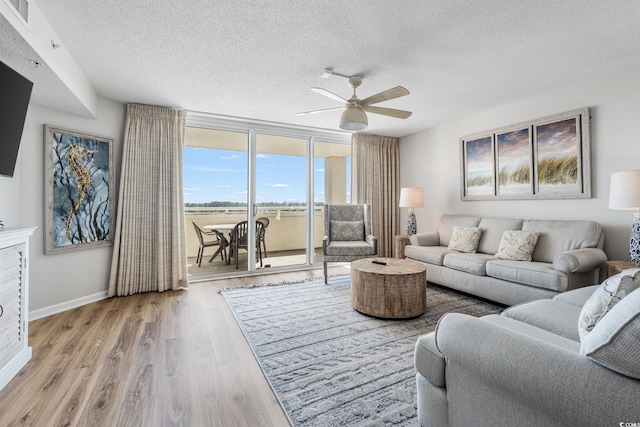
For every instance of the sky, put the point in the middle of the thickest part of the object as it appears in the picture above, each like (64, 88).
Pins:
(221, 175)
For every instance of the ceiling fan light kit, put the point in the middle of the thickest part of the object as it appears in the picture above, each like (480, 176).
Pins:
(354, 117)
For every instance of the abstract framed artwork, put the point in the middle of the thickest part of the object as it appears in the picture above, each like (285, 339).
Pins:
(547, 158)
(79, 190)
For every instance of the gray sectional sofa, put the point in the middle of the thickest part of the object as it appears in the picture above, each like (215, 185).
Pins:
(528, 366)
(567, 255)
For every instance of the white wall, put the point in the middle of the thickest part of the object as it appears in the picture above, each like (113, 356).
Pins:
(431, 158)
(58, 279)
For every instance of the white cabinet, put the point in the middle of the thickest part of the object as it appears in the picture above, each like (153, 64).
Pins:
(14, 301)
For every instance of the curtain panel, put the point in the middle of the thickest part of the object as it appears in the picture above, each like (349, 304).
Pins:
(375, 179)
(149, 252)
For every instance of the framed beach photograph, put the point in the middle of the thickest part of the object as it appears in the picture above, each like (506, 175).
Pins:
(547, 158)
(79, 190)
(514, 160)
(561, 166)
(478, 160)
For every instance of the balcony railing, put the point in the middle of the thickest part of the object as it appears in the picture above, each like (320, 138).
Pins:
(286, 231)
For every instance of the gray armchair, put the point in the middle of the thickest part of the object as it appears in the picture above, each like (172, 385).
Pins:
(347, 234)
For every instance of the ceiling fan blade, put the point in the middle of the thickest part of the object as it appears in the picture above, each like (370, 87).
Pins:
(320, 111)
(386, 95)
(400, 114)
(328, 94)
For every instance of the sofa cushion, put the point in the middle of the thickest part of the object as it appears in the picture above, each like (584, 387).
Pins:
(447, 222)
(561, 236)
(465, 239)
(536, 274)
(517, 245)
(492, 229)
(469, 263)
(614, 342)
(429, 254)
(347, 230)
(533, 331)
(576, 296)
(605, 297)
(551, 315)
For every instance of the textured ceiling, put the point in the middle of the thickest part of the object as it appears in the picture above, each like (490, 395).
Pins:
(258, 59)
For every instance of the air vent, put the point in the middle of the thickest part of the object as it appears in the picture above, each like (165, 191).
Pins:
(22, 6)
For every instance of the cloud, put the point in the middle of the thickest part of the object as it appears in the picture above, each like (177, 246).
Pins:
(191, 189)
(262, 156)
(280, 185)
(320, 170)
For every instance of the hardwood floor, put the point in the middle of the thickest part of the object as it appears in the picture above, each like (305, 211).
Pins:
(176, 358)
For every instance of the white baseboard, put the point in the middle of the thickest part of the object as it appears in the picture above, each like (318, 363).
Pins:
(64, 306)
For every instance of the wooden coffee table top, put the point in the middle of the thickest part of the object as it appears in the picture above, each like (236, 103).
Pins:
(394, 266)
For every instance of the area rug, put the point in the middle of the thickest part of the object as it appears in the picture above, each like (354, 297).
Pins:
(330, 365)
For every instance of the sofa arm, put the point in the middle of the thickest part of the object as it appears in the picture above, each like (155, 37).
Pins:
(579, 260)
(558, 383)
(428, 360)
(431, 238)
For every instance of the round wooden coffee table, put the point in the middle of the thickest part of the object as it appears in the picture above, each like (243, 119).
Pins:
(397, 290)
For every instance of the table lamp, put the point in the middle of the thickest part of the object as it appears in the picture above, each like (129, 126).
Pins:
(625, 195)
(411, 197)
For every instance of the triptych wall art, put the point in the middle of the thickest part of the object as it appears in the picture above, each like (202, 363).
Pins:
(547, 158)
(79, 190)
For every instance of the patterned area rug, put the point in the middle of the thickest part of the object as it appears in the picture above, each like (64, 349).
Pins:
(330, 365)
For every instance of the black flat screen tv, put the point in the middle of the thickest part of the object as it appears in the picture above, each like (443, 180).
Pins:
(15, 93)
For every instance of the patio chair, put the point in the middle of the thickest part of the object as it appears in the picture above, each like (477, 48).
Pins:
(219, 241)
(347, 234)
(240, 240)
(261, 241)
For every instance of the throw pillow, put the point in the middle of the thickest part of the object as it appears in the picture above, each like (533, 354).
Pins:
(605, 297)
(517, 245)
(347, 230)
(465, 239)
(614, 342)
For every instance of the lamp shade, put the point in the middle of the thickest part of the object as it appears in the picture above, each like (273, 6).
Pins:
(411, 197)
(353, 118)
(624, 193)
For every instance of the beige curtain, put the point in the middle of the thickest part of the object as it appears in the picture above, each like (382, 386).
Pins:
(149, 252)
(375, 179)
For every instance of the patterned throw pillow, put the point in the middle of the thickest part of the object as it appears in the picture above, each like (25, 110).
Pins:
(517, 245)
(614, 342)
(465, 239)
(605, 297)
(347, 230)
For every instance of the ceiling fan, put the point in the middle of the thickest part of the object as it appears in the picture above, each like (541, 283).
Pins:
(354, 117)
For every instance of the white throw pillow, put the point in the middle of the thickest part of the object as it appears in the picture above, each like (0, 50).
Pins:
(465, 239)
(517, 245)
(605, 297)
(614, 342)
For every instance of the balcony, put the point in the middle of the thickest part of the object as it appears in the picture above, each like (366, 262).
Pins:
(285, 237)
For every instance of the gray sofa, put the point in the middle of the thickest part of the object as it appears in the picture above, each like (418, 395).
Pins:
(568, 255)
(526, 367)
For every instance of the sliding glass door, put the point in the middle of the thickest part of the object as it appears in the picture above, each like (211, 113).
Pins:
(281, 199)
(274, 176)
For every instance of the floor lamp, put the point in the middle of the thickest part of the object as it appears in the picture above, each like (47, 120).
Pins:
(625, 195)
(411, 197)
